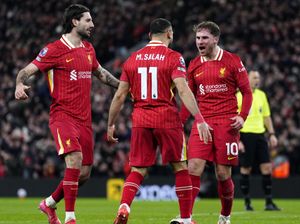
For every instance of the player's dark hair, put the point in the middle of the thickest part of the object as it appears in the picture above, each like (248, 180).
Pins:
(159, 25)
(74, 11)
(213, 28)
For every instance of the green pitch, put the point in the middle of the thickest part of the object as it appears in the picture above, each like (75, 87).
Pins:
(100, 211)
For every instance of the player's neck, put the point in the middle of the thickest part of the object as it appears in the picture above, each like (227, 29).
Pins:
(74, 39)
(165, 42)
(213, 54)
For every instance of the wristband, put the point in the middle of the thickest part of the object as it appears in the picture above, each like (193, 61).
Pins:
(199, 118)
(270, 134)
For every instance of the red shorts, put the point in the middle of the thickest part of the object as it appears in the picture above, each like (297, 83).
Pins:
(70, 137)
(144, 143)
(222, 150)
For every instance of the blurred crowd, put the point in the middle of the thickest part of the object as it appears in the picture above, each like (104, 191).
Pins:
(265, 34)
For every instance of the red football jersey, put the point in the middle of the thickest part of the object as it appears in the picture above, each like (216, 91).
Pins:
(150, 72)
(215, 84)
(69, 75)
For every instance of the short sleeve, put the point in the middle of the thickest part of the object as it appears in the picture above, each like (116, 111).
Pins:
(95, 62)
(178, 66)
(240, 72)
(190, 78)
(46, 59)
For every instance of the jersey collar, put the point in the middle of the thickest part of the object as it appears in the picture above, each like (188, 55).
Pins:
(156, 43)
(68, 43)
(218, 56)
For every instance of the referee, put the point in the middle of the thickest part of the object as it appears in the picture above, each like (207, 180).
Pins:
(254, 144)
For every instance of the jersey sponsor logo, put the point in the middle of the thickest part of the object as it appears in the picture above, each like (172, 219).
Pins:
(198, 74)
(69, 59)
(38, 58)
(147, 57)
(216, 88)
(43, 52)
(74, 75)
(85, 75)
(212, 88)
(222, 72)
(201, 89)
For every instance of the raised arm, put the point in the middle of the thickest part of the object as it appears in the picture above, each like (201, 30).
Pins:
(106, 77)
(23, 75)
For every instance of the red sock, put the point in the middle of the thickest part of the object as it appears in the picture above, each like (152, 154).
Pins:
(196, 189)
(183, 187)
(58, 194)
(131, 186)
(226, 193)
(70, 186)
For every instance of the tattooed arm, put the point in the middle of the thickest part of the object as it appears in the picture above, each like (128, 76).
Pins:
(23, 75)
(106, 77)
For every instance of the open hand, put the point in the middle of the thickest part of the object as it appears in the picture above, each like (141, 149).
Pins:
(238, 122)
(204, 132)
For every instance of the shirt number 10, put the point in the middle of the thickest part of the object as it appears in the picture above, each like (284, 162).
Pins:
(232, 148)
(144, 82)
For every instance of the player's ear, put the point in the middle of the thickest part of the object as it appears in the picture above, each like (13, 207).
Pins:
(169, 34)
(216, 40)
(75, 22)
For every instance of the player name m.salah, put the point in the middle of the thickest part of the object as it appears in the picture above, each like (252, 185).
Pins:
(146, 57)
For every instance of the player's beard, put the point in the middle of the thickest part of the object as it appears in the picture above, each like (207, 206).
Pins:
(209, 50)
(170, 42)
(84, 34)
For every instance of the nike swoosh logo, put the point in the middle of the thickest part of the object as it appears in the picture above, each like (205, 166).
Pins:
(69, 60)
(198, 74)
(231, 158)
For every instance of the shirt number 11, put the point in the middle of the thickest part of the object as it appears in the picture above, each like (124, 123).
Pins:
(144, 82)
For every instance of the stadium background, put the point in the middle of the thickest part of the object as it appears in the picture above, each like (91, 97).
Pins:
(265, 34)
